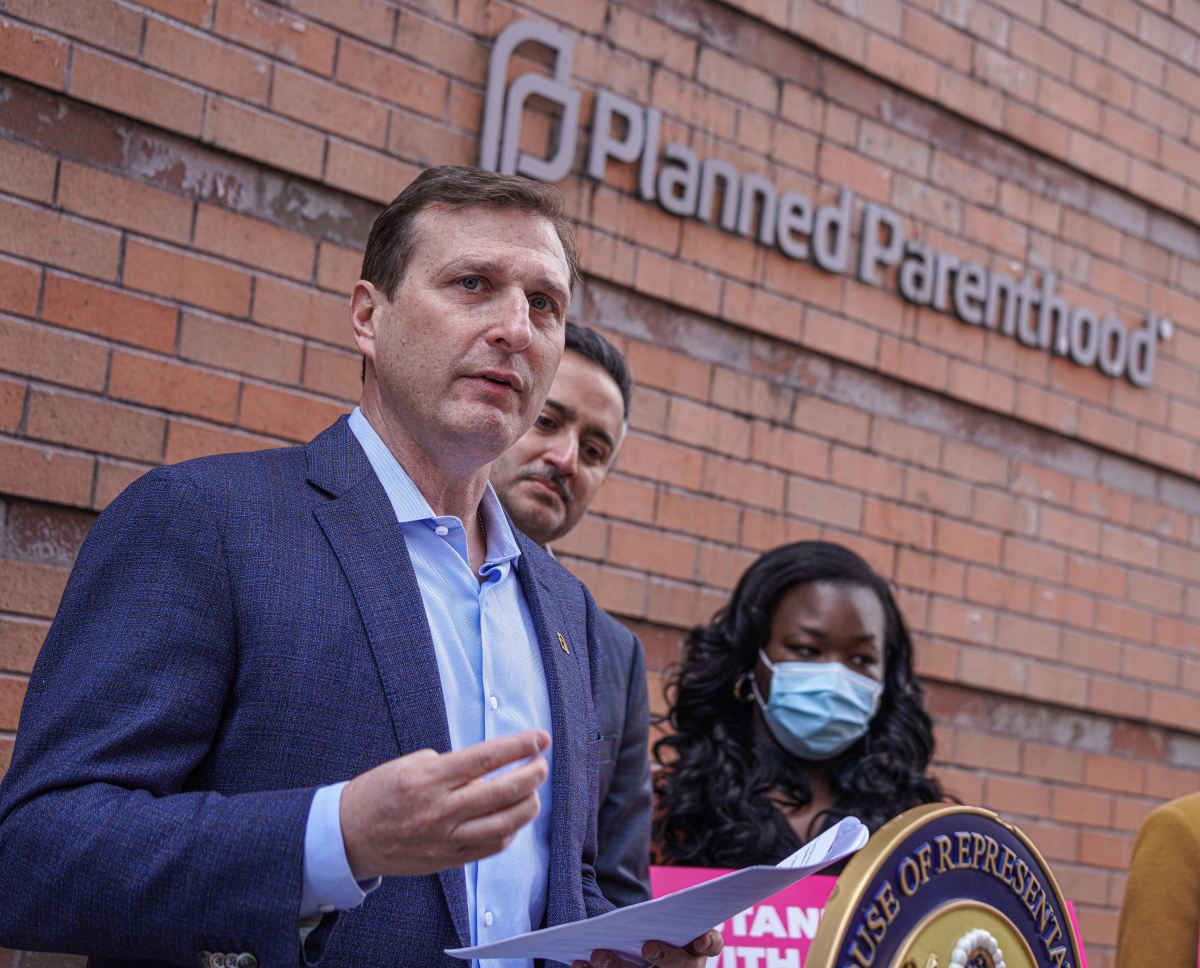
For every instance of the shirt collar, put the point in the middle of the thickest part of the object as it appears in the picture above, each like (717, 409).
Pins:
(410, 505)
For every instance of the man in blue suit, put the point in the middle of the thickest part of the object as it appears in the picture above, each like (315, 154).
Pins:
(546, 481)
(323, 704)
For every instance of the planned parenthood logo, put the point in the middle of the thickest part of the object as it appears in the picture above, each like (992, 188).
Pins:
(1020, 305)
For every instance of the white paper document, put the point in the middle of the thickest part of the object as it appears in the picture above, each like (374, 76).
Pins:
(676, 918)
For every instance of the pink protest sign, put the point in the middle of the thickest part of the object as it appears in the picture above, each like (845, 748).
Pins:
(776, 933)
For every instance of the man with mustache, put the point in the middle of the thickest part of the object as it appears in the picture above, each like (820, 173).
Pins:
(546, 481)
(321, 704)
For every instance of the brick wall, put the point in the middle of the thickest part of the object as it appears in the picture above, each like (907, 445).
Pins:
(185, 186)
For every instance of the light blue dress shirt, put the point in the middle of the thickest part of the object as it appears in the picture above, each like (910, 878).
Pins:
(493, 683)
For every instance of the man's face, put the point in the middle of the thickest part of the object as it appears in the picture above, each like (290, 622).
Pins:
(548, 478)
(464, 354)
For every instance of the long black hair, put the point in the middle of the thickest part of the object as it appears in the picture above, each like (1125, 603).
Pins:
(714, 803)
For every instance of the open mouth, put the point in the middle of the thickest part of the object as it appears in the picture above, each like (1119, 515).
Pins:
(499, 379)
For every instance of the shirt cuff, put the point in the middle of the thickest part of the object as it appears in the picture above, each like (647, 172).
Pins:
(328, 883)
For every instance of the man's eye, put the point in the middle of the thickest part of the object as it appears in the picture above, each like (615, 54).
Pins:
(545, 422)
(542, 304)
(471, 283)
(594, 455)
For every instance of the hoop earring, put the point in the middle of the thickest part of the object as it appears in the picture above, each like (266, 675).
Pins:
(743, 689)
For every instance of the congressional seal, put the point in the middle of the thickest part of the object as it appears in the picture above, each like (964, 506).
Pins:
(946, 886)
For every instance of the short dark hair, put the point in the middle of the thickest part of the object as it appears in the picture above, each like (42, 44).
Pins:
(390, 244)
(591, 345)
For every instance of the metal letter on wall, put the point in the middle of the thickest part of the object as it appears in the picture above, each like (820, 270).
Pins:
(500, 142)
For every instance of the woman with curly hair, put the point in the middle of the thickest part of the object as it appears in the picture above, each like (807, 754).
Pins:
(795, 707)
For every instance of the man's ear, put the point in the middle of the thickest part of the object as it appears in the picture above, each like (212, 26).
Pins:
(366, 303)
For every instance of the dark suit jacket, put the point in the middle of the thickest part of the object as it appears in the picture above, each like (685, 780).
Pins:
(238, 631)
(623, 708)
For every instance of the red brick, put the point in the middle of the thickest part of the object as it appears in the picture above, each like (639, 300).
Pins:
(650, 551)
(38, 351)
(135, 92)
(961, 622)
(303, 311)
(27, 470)
(682, 605)
(195, 12)
(669, 370)
(701, 516)
(1081, 806)
(676, 283)
(109, 313)
(803, 282)
(974, 463)
(454, 53)
(242, 349)
(589, 539)
(788, 450)
(1006, 794)
(201, 282)
(1148, 664)
(626, 499)
(391, 78)
(1056, 763)
(171, 386)
(267, 28)
(652, 40)
(828, 29)
(12, 404)
(112, 477)
(367, 173)
(987, 750)
(263, 137)
(875, 475)
(335, 373)
(19, 283)
(936, 491)
(737, 79)
(20, 641)
(897, 524)
(327, 106)
(824, 503)
(125, 203)
(957, 539)
(101, 23)
(762, 530)
(281, 413)
(30, 54)
(29, 589)
(186, 440)
(912, 363)
(1105, 849)
(95, 425)
(58, 240)
(931, 573)
(199, 58)
(940, 41)
(750, 396)
(26, 172)
(1027, 636)
(1034, 560)
(1051, 683)
(660, 460)
(12, 694)
(257, 243)
(706, 427)
(999, 671)
(721, 566)
(742, 482)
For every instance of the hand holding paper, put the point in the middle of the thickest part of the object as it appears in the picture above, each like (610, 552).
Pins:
(678, 918)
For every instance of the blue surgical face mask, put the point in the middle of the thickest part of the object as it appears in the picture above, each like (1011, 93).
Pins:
(817, 710)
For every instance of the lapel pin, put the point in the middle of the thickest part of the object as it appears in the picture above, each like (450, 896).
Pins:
(563, 643)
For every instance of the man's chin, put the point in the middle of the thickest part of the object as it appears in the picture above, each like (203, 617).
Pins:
(536, 521)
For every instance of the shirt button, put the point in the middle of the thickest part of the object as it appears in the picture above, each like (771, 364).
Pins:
(441, 531)
(493, 702)
(487, 919)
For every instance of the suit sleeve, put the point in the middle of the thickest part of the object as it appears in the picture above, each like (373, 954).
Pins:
(1160, 916)
(104, 847)
(594, 901)
(623, 855)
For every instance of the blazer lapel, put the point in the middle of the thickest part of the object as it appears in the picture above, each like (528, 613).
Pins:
(566, 668)
(360, 525)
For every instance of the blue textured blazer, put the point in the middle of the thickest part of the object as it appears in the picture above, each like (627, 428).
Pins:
(238, 631)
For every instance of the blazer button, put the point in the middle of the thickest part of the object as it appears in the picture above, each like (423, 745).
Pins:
(216, 960)
(203, 958)
(246, 960)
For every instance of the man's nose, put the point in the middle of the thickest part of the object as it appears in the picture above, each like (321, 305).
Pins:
(511, 326)
(563, 454)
